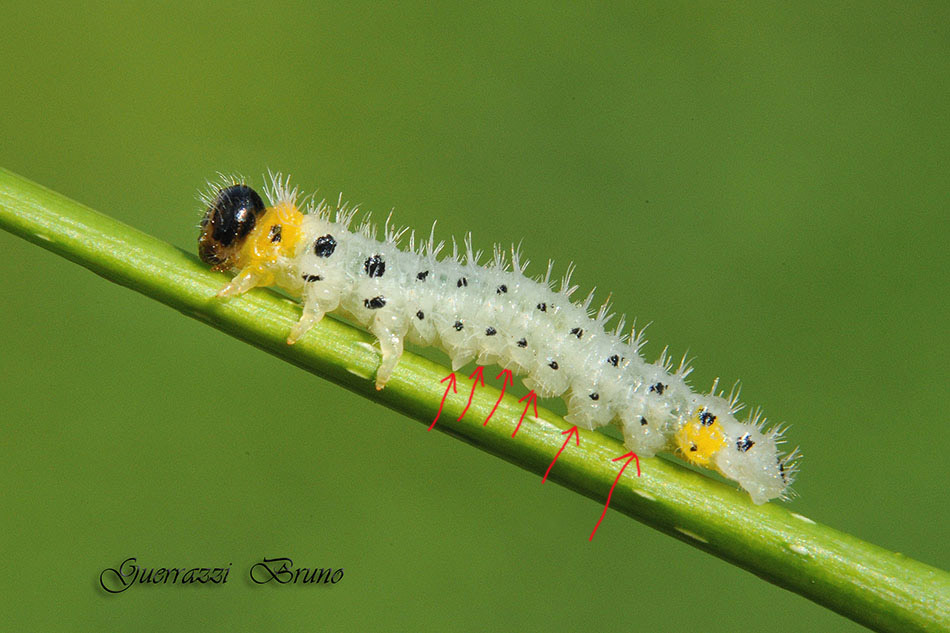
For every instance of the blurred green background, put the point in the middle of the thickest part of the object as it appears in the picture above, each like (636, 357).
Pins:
(767, 185)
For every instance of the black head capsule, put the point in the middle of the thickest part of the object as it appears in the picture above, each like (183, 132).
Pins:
(227, 222)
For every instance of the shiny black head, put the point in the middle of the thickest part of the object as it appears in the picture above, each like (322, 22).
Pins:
(229, 219)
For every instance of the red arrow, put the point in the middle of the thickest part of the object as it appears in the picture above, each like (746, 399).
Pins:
(629, 456)
(532, 399)
(478, 372)
(508, 378)
(577, 438)
(451, 379)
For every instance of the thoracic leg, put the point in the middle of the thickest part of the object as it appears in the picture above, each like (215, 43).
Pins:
(390, 329)
(244, 281)
(310, 317)
(318, 299)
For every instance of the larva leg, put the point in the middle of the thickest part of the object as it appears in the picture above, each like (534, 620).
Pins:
(390, 329)
(460, 360)
(244, 281)
(320, 296)
(310, 317)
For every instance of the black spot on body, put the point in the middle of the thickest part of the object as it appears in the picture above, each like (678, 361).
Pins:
(462, 282)
(523, 343)
(490, 331)
(275, 233)
(693, 448)
(374, 266)
(553, 365)
(324, 246)
(543, 307)
(595, 396)
(458, 326)
(502, 289)
(781, 470)
(643, 421)
(613, 360)
(744, 443)
(312, 278)
(420, 315)
(375, 303)
(657, 388)
(422, 276)
(578, 332)
(706, 418)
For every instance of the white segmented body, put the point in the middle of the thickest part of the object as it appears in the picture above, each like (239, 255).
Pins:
(493, 314)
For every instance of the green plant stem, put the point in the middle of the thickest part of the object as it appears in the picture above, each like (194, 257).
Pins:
(880, 589)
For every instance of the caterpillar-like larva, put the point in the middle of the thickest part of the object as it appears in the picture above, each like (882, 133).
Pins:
(492, 314)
